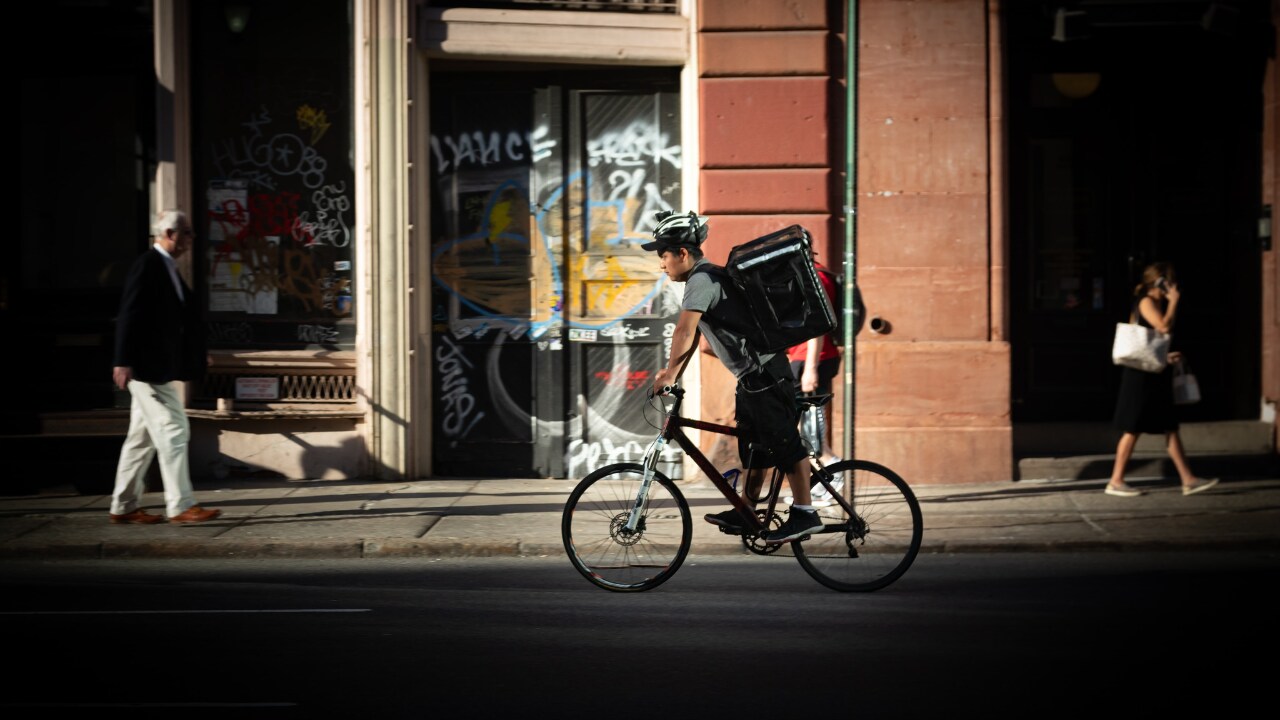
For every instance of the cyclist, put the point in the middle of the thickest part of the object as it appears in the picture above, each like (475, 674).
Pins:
(765, 411)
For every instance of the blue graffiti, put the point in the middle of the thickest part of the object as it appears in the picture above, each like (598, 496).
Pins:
(542, 218)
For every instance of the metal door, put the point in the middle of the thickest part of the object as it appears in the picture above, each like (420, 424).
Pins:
(549, 320)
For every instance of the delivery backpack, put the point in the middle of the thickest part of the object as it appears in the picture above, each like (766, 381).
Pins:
(855, 318)
(772, 278)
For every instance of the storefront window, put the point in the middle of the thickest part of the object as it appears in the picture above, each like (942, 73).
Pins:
(274, 187)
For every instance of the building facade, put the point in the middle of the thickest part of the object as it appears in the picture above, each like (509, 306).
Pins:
(419, 222)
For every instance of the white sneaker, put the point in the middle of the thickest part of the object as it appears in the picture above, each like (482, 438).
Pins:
(1199, 487)
(815, 501)
(1123, 490)
(819, 491)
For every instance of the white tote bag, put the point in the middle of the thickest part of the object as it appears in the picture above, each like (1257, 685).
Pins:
(1186, 390)
(1140, 347)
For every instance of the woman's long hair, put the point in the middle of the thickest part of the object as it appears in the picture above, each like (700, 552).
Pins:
(1154, 273)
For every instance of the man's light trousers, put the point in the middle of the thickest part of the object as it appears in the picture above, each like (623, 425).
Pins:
(158, 427)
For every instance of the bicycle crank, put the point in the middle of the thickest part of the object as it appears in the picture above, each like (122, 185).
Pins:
(755, 542)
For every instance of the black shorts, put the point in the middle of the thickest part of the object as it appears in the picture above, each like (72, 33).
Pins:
(767, 417)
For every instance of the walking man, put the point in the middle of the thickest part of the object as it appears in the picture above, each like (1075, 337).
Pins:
(159, 344)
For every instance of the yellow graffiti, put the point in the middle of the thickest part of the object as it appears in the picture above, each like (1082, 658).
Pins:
(612, 286)
(314, 120)
(513, 270)
(504, 288)
(301, 279)
(501, 218)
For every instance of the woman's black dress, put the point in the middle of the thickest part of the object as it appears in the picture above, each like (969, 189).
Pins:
(1145, 403)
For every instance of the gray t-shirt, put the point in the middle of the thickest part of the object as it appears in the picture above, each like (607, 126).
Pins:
(702, 293)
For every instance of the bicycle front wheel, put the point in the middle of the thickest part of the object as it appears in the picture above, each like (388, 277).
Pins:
(877, 544)
(603, 547)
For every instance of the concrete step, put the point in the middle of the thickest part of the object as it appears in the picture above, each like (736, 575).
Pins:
(1098, 467)
(86, 461)
(1086, 451)
(1225, 437)
(107, 421)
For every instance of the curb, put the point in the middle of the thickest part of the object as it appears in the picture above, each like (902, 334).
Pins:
(375, 549)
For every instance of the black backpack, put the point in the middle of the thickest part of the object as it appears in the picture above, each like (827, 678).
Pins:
(735, 313)
(859, 313)
(778, 284)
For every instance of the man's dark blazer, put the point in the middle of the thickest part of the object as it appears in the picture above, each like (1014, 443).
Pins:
(158, 335)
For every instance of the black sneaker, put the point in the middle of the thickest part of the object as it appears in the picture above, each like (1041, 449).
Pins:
(798, 525)
(730, 521)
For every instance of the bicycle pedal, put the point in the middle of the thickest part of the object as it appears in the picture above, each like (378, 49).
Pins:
(728, 531)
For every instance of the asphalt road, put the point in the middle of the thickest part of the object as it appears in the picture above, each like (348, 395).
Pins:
(995, 635)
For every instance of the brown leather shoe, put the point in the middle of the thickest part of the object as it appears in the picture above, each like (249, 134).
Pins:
(195, 514)
(137, 517)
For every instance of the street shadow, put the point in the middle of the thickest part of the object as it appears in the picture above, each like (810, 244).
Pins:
(1059, 487)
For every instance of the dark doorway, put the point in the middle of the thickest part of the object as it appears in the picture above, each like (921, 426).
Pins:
(1134, 135)
(87, 112)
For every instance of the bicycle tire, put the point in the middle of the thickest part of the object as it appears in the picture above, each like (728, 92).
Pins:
(600, 548)
(879, 546)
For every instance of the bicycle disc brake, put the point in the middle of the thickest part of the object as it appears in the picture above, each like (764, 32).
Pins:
(619, 532)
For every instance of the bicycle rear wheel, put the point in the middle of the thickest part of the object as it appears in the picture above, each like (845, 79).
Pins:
(874, 547)
(595, 534)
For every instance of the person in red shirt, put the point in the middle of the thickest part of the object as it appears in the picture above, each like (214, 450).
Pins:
(815, 364)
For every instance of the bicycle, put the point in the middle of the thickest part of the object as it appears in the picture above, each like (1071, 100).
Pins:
(626, 527)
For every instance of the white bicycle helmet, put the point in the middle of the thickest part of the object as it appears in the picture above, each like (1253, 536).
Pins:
(673, 230)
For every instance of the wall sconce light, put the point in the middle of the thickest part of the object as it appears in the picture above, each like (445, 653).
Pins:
(237, 17)
(1070, 25)
(1222, 19)
(1076, 86)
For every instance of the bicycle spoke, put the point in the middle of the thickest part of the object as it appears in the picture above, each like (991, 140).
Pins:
(877, 544)
(611, 551)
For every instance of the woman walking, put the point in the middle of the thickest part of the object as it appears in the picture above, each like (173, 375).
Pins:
(1145, 402)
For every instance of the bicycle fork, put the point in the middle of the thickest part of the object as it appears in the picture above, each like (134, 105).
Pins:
(650, 464)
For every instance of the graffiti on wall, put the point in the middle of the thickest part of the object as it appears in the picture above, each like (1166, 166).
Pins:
(279, 227)
(454, 153)
(457, 401)
(594, 433)
(515, 240)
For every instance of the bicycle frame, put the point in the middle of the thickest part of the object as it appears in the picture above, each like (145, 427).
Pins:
(627, 527)
(673, 431)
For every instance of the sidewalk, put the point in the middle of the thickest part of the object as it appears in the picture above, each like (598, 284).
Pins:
(494, 517)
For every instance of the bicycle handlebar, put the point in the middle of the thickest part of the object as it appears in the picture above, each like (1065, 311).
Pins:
(675, 390)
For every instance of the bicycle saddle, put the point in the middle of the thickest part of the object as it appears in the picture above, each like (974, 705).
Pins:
(813, 400)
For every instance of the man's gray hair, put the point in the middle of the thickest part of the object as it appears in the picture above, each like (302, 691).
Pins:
(167, 220)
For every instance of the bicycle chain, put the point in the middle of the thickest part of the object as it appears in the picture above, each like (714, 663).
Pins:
(755, 543)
